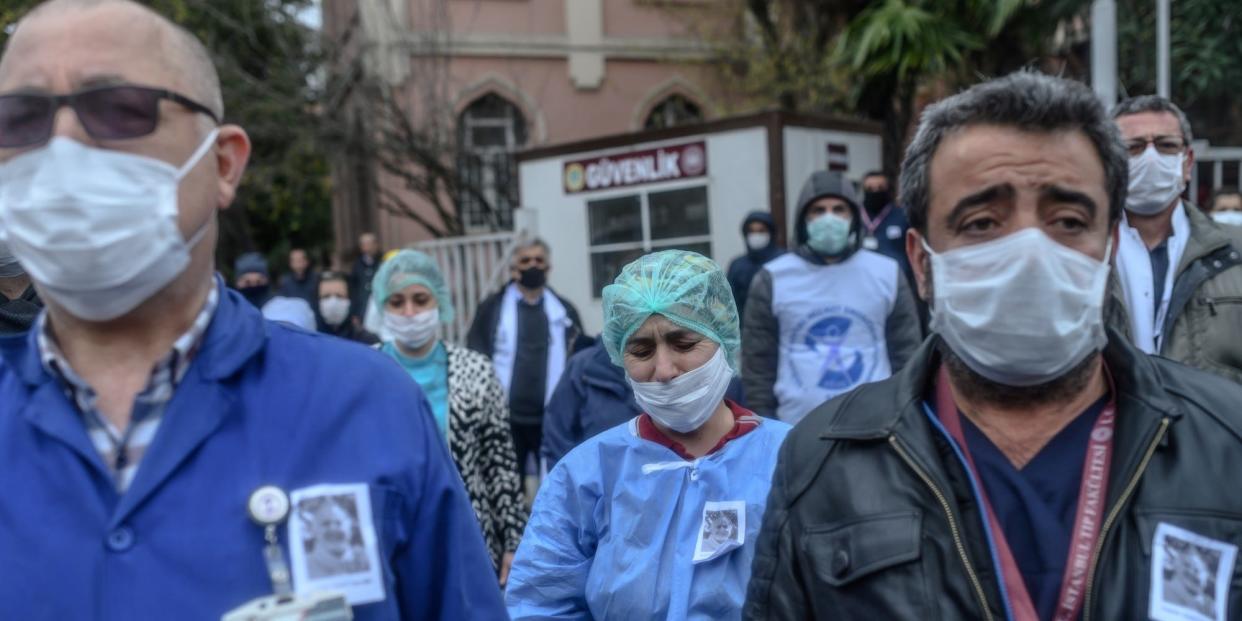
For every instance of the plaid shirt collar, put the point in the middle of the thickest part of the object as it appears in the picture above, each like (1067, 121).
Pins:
(167, 373)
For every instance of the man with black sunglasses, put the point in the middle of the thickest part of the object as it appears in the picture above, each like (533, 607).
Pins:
(153, 427)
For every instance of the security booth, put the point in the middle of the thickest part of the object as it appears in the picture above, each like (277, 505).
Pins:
(601, 203)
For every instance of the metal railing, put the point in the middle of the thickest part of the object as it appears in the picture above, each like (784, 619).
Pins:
(1223, 167)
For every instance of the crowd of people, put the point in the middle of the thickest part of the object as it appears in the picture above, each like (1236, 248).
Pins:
(1004, 387)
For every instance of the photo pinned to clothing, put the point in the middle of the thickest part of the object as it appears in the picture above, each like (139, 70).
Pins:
(332, 543)
(1190, 575)
(723, 529)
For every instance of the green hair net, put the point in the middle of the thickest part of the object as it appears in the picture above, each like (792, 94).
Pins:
(686, 287)
(411, 267)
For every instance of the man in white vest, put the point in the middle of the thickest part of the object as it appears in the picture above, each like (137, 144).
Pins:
(827, 317)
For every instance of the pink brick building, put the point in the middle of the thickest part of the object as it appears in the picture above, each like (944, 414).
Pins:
(510, 75)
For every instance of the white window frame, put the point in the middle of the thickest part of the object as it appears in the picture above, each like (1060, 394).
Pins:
(646, 244)
(491, 156)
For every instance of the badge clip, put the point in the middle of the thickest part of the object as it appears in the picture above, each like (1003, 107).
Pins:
(269, 507)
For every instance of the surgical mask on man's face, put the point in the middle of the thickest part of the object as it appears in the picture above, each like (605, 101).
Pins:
(9, 267)
(685, 402)
(414, 331)
(1020, 310)
(757, 241)
(334, 310)
(1228, 217)
(257, 295)
(828, 234)
(1155, 180)
(533, 277)
(875, 200)
(97, 229)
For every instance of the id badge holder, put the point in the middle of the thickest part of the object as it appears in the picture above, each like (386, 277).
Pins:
(269, 507)
(313, 607)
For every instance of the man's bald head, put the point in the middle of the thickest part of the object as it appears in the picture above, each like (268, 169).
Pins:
(181, 50)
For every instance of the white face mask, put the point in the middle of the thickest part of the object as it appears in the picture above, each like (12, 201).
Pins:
(1020, 310)
(9, 267)
(414, 331)
(829, 234)
(97, 229)
(1155, 180)
(757, 241)
(334, 310)
(1228, 217)
(685, 402)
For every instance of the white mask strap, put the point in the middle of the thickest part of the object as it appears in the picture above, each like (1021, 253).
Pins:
(198, 154)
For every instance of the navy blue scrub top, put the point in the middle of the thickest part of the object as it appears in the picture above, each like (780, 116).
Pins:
(1036, 505)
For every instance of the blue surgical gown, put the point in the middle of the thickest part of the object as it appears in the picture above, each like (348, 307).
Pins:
(615, 524)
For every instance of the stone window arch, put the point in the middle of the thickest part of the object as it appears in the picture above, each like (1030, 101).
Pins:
(672, 111)
(490, 130)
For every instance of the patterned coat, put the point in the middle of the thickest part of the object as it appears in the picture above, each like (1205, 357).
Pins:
(482, 447)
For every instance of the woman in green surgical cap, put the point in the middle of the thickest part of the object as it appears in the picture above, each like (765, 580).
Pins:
(463, 391)
(656, 518)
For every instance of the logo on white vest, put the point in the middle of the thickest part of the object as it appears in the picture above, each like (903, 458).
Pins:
(844, 341)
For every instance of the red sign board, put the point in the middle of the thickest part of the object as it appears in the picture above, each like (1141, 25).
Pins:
(682, 161)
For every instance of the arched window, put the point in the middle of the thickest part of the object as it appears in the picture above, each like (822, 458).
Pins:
(490, 130)
(672, 111)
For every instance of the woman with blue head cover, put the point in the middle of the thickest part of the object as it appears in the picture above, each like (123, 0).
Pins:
(465, 396)
(656, 518)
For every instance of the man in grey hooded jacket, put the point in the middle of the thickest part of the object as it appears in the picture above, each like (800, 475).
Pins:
(827, 317)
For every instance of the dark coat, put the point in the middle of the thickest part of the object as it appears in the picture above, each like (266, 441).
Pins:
(872, 515)
(482, 334)
(890, 238)
(1203, 326)
(347, 330)
(306, 287)
(16, 316)
(360, 278)
(743, 269)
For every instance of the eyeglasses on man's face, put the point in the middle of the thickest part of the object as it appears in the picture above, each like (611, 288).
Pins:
(106, 113)
(1165, 145)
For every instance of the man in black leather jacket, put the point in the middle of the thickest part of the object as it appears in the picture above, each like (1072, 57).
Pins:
(1025, 463)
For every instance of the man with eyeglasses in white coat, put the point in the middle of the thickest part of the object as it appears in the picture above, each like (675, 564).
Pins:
(1179, 273)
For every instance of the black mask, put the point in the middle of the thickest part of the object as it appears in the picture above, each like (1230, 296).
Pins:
(256, 295)
(533, 277)
(876, 200)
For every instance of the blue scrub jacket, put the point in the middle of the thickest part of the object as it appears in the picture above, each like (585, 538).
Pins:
(262, 403)
(615, 525)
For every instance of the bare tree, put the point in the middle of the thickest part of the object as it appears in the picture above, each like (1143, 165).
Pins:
(389, 106)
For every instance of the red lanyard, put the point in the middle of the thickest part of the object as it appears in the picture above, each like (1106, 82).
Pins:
(873, 224)
(1090, 514)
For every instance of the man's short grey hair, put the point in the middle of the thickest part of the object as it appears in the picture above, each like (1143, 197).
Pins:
(1154, 103)
(1025, 100)
(529, 242)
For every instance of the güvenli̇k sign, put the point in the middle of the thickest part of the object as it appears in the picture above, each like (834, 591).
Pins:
(682, 161)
